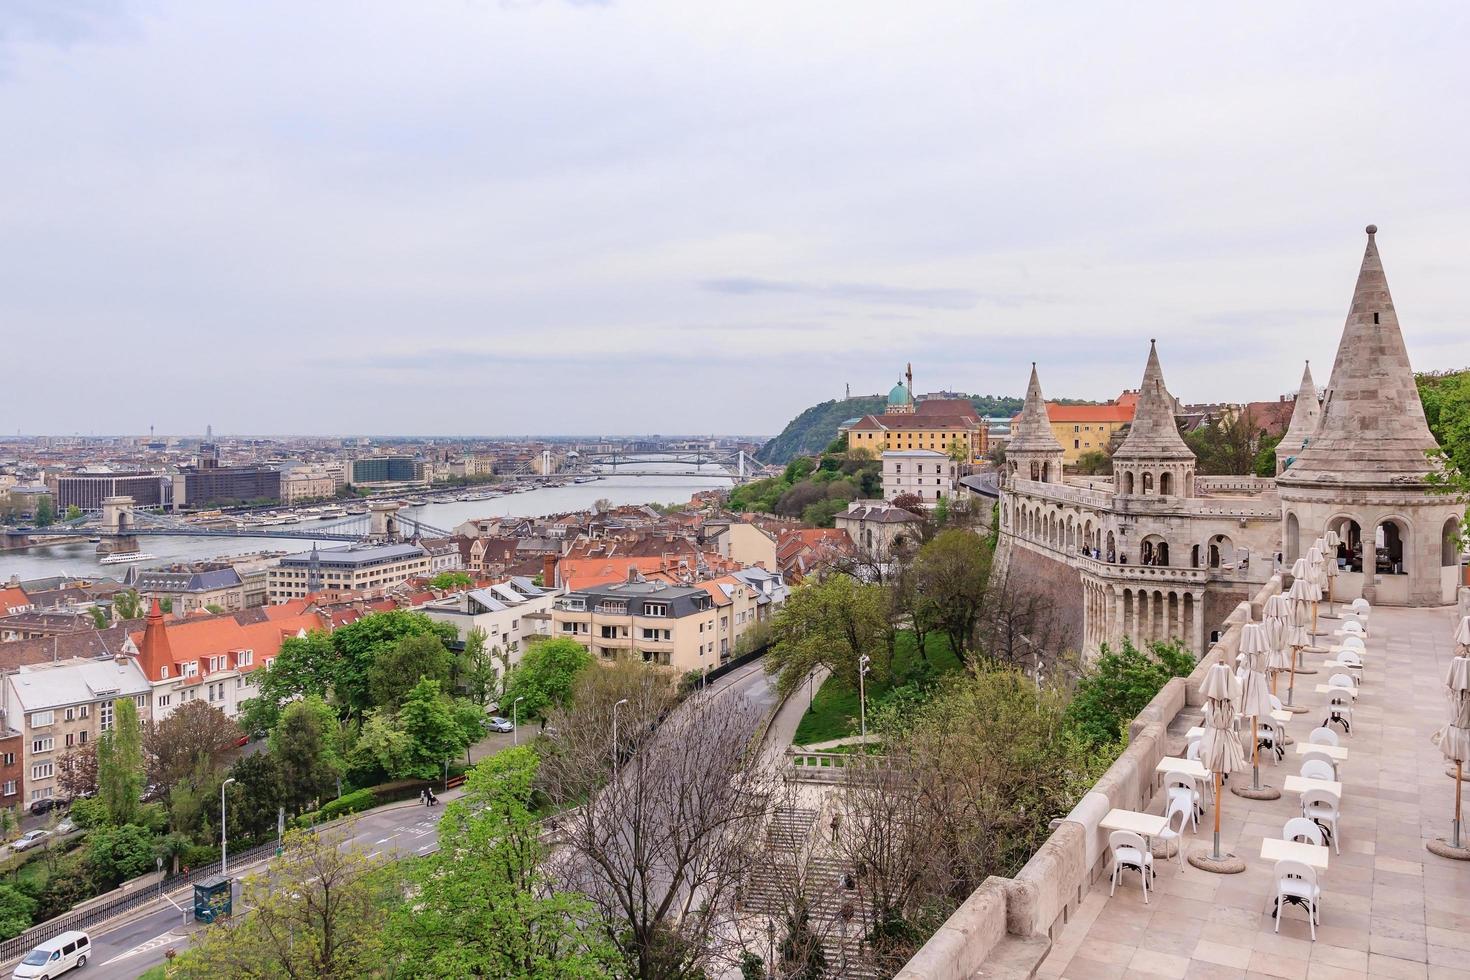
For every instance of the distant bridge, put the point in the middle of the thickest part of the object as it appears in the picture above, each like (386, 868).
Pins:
(732, 463)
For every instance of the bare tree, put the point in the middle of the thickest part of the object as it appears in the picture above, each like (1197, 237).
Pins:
(659, 848)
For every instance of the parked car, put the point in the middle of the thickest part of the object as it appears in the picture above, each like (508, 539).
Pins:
(66, 826)
(499, 724)
(29, 840)
(54, 957)
(45, 805)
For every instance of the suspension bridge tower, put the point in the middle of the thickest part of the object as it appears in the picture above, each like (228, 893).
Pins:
(118, 520)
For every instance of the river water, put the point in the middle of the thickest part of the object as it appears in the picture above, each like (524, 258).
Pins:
(79, 557)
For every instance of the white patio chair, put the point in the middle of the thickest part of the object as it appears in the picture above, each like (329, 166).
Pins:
(1352, 643)
(1310, 755)
(1296, 883)
(1317, 769)
(1268, 737)
(1352, 662)
(1351, 627)
(1177, 816)
(1129, 852)
(1322, 736)
(1321, 806)
(1340, 708)
(1181, 785)
(1302, 830)
(1193, 750)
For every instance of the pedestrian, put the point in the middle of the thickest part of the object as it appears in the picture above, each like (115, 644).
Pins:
(424, 797)
(836, 825)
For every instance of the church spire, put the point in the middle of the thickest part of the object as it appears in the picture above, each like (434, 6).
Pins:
(1032, 431)
(1154, 434)
(1372, 429)
(1305, 417)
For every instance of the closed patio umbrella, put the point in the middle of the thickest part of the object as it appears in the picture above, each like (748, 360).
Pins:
(1330, 543)
(1304, 595)
(1276, 617)
(1255, 702)
(1317, 575)
(1454, 738)
(1221, 754)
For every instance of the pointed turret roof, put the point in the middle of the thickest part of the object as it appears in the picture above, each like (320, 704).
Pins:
(154, 652)
(1032, 431)
(1154, 433)
(1305, 416)
(1373, 430)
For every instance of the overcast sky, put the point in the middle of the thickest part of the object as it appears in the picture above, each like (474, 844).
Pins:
(543, 217)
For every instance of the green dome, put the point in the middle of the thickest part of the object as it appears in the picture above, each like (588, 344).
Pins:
(899, 395)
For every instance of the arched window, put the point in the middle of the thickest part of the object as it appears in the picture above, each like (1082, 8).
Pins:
(1153, 551)
(1166, 484)
(1128, 483)
(1112, 553)
(1045, 472)
(1222, 552)
(1035, 469)
(1390, 539)
(1350, 551)
(1194, 557)
(1148, 483)
(1293, 539)
(1449, 548)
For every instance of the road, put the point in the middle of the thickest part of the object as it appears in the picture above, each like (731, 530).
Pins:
(122, 952)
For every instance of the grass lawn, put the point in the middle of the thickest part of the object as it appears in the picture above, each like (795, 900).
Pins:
(834, 711)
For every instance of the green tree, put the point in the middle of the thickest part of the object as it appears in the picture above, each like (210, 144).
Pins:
(382, 747)
(476, 667)
(120, 764)
(1119, 685)
(1094, 462)
(17, 911)
(261, 792)
(428, 719)
(359, 644)
(951, 574)
(195, 731)
(451, 580)
(127, 605)
(399, 666)
(1266, 456)
(831, 623)
(1446, 399)
(305, 665)
(304, 745)
(45, 512)
(545, 675)
(118, 854)
(165, 605)
(483, 906)
(317, 913)
(99, 617)
(73, 513)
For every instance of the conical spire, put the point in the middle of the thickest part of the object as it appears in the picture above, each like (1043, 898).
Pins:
(1032, 431)
(1305, 417)
(1154, 434)
(1373, 430)
(154, 653)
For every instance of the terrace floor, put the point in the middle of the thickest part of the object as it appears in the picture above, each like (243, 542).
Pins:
(1389, 907)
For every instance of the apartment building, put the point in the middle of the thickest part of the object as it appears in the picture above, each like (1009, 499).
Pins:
(923, 473)
(65, 705)
(371, 568)
(509, 613)
(303, 483)
(190, 589)
(670, 625)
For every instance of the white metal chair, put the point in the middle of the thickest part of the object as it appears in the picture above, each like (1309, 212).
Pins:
(1310, 755)
(1179, 814)
(1303, 830)
(1322, 807)
(1322, 736)
(1360, 606)
(1268, 737)
(1296, 883)
(1317, 769)
(1276, 704)
(1181, 785)
(1352, 627)
(1352, 661)
(1193, 750)
(1340, 707)
(1129, 852)
(1353, 642)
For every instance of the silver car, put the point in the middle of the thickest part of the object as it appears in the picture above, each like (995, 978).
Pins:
(29, 840)
(499, 724)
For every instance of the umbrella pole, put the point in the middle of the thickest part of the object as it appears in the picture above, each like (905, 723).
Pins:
(1217, 856)
(1459, 773)
(1255, 755)
(1291, 683)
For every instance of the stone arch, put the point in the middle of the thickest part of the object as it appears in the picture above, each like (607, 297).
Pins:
(1449, 543)
(1390, 545)
(1148, 483)
(1166, 484)
(1153, 550)
(1112, 553)
(1351, 532)
(1221, 550)
(1292, 544)
(1128, 483)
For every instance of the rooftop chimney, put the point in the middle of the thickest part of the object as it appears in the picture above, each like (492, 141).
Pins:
(548, 571)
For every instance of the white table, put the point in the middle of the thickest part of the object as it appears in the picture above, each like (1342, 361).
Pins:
(1337, 753)
(1142, 824)
(1300, 784)
(1329, 689)
(1190, 767)
(1312, 855)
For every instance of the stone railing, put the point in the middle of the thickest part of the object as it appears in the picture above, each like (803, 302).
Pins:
(1116, 571)
(1234, 484)
(1005, 927)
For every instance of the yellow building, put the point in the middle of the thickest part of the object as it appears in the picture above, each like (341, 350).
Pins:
(1089, 428)
(940, 424)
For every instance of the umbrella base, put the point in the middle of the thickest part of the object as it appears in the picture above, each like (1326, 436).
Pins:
(1260, 793)
(1296, 709)
(1227, 864)
(1445, 850)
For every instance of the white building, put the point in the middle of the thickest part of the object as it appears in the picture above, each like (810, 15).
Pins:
(509, 613)
(923, 473)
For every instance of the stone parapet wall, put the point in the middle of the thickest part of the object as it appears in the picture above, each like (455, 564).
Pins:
(1037, 902)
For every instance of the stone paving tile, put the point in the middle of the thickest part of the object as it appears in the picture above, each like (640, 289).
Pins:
(1390, 908)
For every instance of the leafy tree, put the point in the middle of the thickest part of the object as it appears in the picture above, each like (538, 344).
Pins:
(545, 675)
(194, 731)
(359, 644)
(192, 798)
(165, 605)
(1446, 399)
(88, 812)
(397, 668)
(99, 617)
(1266, 456)
(910, 502)
(483, 907)
(1227, 446)
(73, 513)
(262, 791)
(304, 745)
(9, 823)
(17, 911)
(475, 669)
(451, 580)
(127, 605)
(428, 719)
(120, 764)
(951, 574)
(45, 512)
(76, 771)
(118, 854)
(1094, 462)
(383, 746)
(831, 623)
(305, 665)
(317, 913)
(1119, 685)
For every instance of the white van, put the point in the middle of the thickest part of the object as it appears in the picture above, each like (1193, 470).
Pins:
(55, 956)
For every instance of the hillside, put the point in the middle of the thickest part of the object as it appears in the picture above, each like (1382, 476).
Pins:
(813, 429)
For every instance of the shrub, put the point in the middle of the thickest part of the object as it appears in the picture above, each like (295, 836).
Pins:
(1120, 685)
(88, 813)
(363, 799)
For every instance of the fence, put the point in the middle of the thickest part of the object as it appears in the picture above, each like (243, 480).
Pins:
(12, 949)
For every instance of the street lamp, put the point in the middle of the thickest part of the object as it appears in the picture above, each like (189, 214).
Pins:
(863, 662)
(223, 831)
(615, 737)
(515, 721)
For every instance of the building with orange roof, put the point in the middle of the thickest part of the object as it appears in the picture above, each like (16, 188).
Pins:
(1088, 428)
(13, 601)
(946, 425)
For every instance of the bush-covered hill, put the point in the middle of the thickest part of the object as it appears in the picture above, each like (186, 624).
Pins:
(813, 429)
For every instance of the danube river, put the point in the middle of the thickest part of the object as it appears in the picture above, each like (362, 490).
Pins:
(79, 557)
